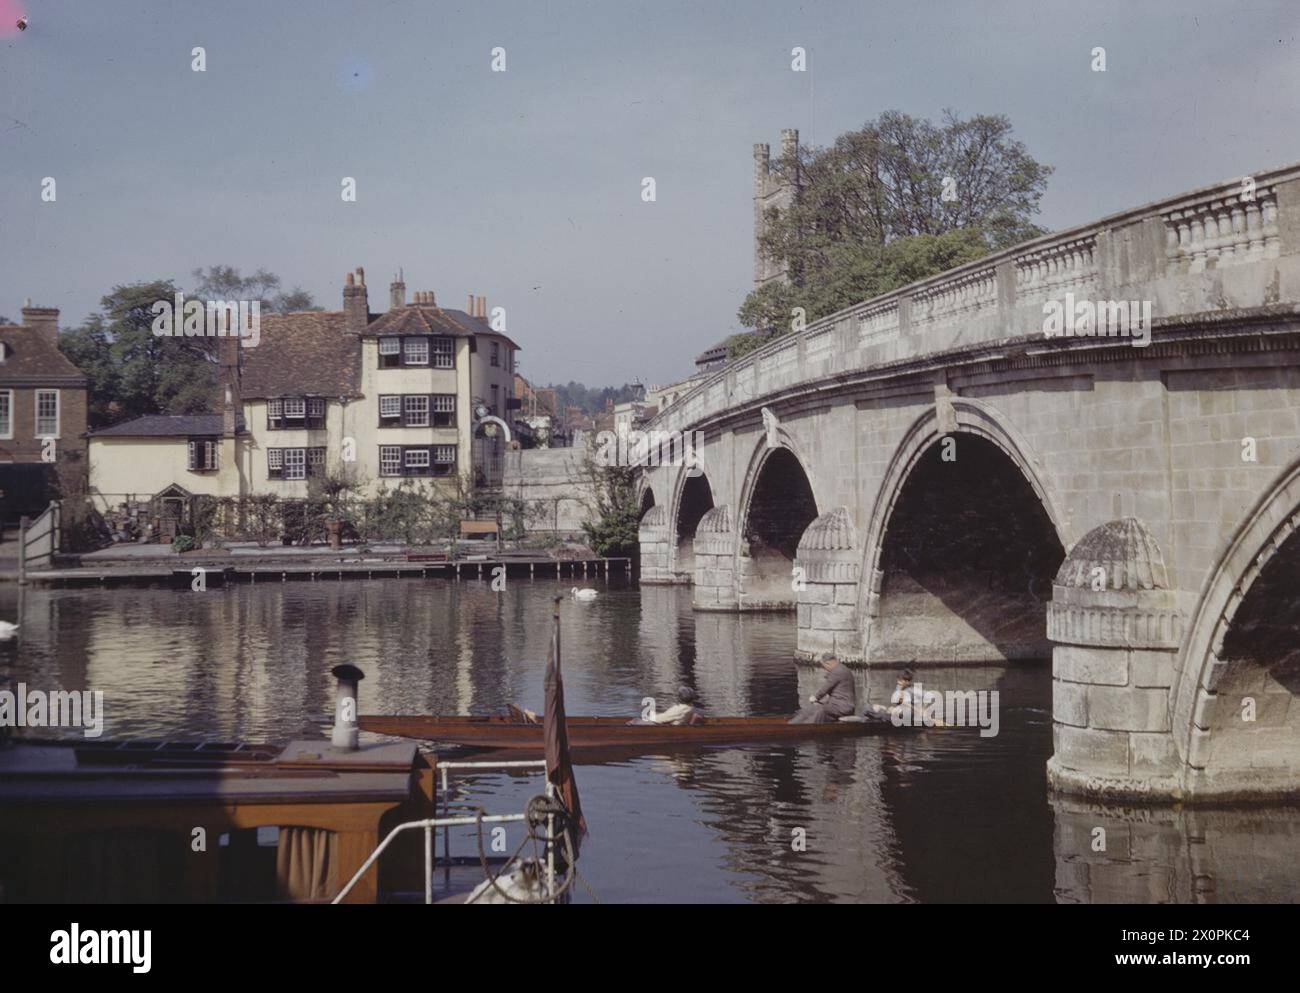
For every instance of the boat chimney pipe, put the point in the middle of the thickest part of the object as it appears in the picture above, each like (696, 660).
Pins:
(347, 731)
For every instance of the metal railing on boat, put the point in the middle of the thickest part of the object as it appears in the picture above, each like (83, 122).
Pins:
(432, 824)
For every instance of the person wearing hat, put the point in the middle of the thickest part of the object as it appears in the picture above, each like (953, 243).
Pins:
(682, 712)
(836, 697)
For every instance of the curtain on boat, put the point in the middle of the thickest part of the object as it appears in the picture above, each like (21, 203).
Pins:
(304, 860)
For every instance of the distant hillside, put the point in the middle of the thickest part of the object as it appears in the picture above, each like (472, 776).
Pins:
(591, 400)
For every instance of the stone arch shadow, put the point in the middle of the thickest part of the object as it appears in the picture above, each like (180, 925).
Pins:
(1231, 652)
(692, 496)
(762, 567)
(963, 416)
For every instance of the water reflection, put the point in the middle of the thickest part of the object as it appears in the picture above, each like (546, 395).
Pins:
(933, 816)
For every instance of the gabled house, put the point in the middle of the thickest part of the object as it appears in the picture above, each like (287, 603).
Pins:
(383, 397)
(42, 417)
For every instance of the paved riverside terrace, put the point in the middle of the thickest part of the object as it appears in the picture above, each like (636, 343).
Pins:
(944, 474)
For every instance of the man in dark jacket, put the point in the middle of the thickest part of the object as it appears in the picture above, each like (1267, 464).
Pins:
(836, 697)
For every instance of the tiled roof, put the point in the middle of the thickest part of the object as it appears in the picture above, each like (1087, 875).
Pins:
(166, 426)
(423, 319)
(304, 354)
(312, 354)
(29, 360)
(418, 319)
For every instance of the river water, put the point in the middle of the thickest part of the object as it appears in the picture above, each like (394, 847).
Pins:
(929, 816)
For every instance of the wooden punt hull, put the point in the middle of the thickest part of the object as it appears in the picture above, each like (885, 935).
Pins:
(587, 733)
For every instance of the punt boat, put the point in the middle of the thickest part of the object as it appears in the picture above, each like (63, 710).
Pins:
(506, 731)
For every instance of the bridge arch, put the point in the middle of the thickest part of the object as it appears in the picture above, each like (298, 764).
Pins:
(999, 466)
(692, 498)
(1240, 655)
(646, 500)
(777, 504)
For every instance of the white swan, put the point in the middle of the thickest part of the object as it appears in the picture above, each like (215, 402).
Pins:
(583, 594)
(7, 630)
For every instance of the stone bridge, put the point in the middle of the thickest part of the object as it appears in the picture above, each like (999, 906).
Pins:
(937, 475)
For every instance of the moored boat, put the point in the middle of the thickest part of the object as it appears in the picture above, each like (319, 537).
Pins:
(596, 733)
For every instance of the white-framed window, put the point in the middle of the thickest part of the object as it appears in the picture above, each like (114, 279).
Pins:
(274, 414)
(390, 411)
(315, 412)
(390, 352)
(416, 458)
(444, 410)
(202, 455)
(295, 463)
(415, 351)
(415, 410)
(295, 409)
(6, 413)
(47, 413)
(444, 454)
(315, 461)
(275, 462)
(390, 460)
(444, 353)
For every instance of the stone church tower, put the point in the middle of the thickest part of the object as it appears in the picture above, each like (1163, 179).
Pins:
(776, 184)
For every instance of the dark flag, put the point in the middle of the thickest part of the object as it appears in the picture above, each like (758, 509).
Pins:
(559, 768)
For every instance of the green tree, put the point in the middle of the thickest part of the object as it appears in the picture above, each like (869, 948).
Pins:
(224, 282)
(895, 201)
(131, 370)
(612, 525)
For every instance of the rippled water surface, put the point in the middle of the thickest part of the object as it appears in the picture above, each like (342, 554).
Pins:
(932, 816)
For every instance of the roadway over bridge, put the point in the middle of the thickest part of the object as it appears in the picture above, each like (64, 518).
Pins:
(930, 475)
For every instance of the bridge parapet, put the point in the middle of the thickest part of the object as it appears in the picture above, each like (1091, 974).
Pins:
(1228, 247)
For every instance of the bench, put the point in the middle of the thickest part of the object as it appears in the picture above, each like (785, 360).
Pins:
(478, 529)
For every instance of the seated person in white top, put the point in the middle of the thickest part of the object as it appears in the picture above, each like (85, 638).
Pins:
(906, 706)
(682, 712)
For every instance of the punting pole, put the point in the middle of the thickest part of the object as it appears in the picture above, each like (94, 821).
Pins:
(550, 788)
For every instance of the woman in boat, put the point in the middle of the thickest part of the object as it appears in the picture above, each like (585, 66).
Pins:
(682, 712)
(836, 697)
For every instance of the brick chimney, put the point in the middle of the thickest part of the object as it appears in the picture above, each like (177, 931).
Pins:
(228, 377)
(356, 307)
(397, 292)
(44, 321)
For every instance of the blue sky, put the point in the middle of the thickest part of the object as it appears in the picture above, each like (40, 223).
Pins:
(524, 186)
